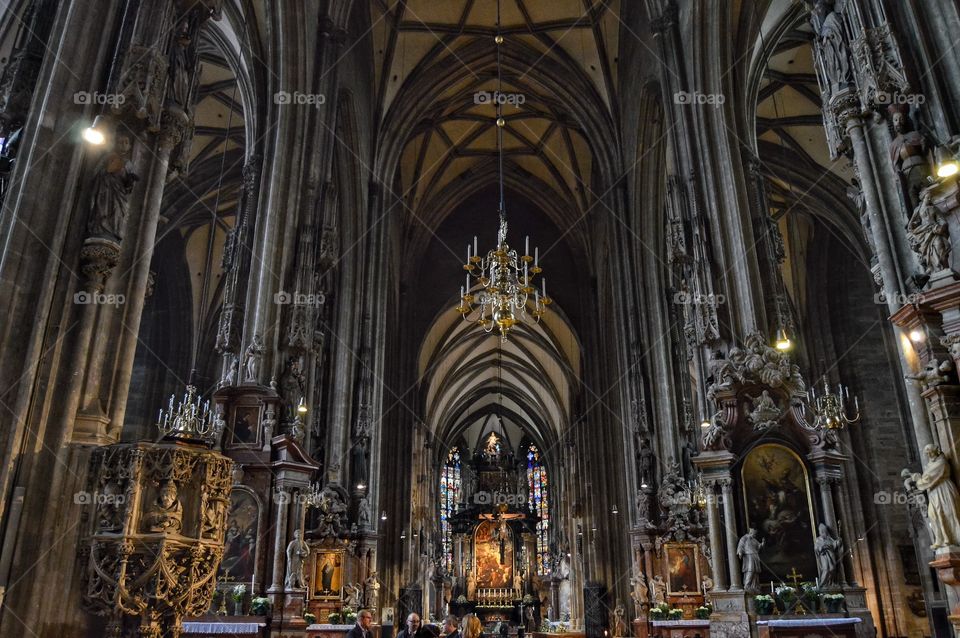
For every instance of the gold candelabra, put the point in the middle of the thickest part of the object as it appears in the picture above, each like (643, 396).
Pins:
(831, 409)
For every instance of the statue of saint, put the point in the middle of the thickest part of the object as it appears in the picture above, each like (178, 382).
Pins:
(641, 593)
(943, 500)
(829, 551)
(929, 235)
(832, 41)
(659, 588)
(619, 627)
(251, 360)
(910, 154)
(112, 184)
(371, 591)
(166, 514)
(748, 549)
(297, 552)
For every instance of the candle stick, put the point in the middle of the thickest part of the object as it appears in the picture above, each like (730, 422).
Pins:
(474, 244)
(526, 245)
(536, 256)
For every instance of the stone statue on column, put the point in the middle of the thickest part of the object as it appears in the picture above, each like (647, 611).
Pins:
(829, 552)
(910, 154)
(658, 587)
(748, 549)
(943, 500)
(251, 360)
(297, 552)
(929, 235)
(641, 592)
(831, 42)
(112, 185)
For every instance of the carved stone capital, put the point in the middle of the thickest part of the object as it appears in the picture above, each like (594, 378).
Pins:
(98, 258)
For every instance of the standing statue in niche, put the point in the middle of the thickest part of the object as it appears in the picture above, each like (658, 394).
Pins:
(166, 513)
(832, 41)
(659, 588)
(181, 80)
(297, 552)
(748, 549)
(371, 591)
(943, 500)
(619, 627)
(112, 184)
(829, 551)
(251, 360)
(910, 154)
(929, 235)
(641, 592)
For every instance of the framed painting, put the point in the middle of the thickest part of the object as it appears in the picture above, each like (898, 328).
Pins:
(328, 575)
(240, 541)
(493, 569)
(776, 502)
(682, 567)
(245, 426)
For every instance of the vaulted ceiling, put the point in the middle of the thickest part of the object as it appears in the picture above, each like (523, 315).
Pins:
(453, 139)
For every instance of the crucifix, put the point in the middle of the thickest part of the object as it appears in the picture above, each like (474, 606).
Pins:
(795, 578)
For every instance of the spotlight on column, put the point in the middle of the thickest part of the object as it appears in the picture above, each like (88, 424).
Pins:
(302, 406)
(94, 134)
(946, 162)
(916, 335)
(705, 424)
(614, 510)
(383, 515)
(361, 485)
(783, 342)
(643, 484)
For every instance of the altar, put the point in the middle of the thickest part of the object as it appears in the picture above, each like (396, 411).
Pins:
(809, 628)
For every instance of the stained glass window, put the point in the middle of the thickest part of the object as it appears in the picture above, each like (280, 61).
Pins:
(539, 503)
(450, 486)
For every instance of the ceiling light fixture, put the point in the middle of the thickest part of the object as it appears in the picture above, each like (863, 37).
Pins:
(506, 295)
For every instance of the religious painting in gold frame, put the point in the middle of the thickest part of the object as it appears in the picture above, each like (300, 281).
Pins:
(777, 503)
(682, 566)
(327, 575)
(491, 572)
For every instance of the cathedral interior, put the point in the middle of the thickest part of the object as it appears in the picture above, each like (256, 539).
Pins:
(594, 318)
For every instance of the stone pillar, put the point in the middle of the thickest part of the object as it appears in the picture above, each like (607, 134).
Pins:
(720, 579)
(826, 499)
(947, 564)
(282, 498)
(736, 577)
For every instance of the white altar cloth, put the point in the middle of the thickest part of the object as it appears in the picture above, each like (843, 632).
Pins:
(222, 627)
(791, 623)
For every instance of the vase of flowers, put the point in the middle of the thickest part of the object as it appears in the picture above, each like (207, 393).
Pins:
(703, 612)
(237, 594)
(259, 606)
(675, 614)
(833, 603)
(809, 597)
(763, 604)
(309, 618)
(786, 598)
(333, 618)
(659, 612)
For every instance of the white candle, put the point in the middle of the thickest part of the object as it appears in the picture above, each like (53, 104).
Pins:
(468, 253)
(544, 287)
(461, 292)
(536, 256)
(474, 244)
(526, 245)
(466, 285)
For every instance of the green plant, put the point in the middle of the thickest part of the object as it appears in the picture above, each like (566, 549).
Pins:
(675, 614)
(238, 592)
(461, 599)
(333, 618)
(259, 606)
(659, 612)
(703, 612)
(763, 604)
(310, 618)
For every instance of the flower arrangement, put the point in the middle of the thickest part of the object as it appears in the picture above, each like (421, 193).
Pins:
(310, 618)
(659, 612)
(238, 592)
(528, 600)
(764, 604)
(703, 612)
(259, 606)
(833, 603)
(675, 614)
(333, 618)
(461, 599)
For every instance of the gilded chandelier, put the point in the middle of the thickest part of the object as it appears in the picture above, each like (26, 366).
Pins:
(831, 410)
(507, 294)
(190, 419)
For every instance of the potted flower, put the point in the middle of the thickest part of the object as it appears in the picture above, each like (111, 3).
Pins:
(675, 614)
(310, 618)
(259, 606)
(763, 604)
(786, 598)
(703, 612)
(659, 612)
(809, 597)
(349, 616)
(237, 594)
(333, 618)
(833, 603)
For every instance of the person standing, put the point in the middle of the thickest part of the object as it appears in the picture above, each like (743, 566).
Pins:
(362, 628)
(471, 627)
(414, 629)
(451, 627)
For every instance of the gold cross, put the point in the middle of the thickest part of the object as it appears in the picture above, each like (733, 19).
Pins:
(795, 577)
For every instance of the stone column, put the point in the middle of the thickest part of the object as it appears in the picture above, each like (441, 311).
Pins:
(888, 267)
(736, 577)
(282, 498)
(720, 579)
(826, 499)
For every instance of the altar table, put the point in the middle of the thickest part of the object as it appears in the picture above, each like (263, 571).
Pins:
(809, 628)
(680, 628)
(223, 628)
